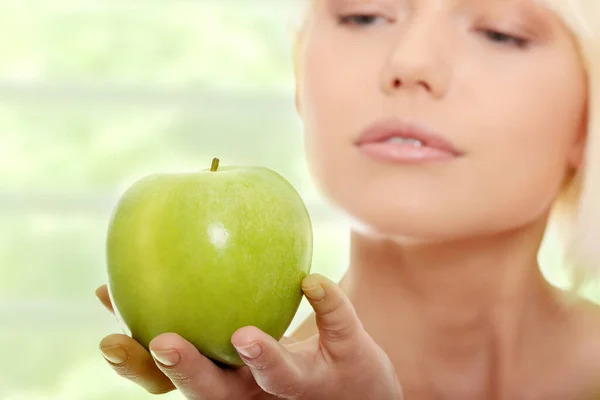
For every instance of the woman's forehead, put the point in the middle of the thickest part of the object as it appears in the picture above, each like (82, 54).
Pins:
(552, 3)
(575, 13)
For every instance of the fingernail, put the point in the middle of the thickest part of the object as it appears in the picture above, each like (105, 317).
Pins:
(252, 351)
(167, 357)
(114, 354)
(315, 292)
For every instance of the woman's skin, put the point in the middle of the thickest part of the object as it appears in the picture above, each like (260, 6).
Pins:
(443, 283)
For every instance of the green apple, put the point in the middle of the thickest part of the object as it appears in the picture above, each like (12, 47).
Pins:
(203, 254)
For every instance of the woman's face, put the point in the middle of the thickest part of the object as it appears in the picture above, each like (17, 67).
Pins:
(500, 81)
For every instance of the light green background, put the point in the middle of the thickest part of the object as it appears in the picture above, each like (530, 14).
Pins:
(95, 94)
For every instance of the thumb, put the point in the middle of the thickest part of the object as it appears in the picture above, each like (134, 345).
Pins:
(340, 330)
(276, 370)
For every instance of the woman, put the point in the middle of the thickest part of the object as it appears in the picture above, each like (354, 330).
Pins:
(450, 131)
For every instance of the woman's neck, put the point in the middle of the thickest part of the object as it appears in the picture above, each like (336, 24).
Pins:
(471, 305)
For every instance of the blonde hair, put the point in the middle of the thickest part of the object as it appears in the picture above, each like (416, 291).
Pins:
(577, 209)
(576, 212)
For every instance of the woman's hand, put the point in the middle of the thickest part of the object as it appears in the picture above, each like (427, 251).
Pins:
(341, 362)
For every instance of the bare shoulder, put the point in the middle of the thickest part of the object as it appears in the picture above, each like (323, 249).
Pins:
(581, 344)
(584, 323)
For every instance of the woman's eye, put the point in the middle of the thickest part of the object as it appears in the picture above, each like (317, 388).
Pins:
(505, 38)
(359, 19)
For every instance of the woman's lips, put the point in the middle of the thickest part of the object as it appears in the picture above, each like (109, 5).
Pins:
(398, 141)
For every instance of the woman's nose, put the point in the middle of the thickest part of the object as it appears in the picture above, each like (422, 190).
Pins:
(417, 61)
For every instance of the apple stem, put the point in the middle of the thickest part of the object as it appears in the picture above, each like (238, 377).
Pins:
(215, 165)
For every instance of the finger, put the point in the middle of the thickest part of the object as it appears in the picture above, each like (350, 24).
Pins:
(276, 370)
(133, 362)
(196, 376)
(103, 296)
(340, 330)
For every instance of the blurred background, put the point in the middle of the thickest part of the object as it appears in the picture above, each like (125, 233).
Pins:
(96, 94)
